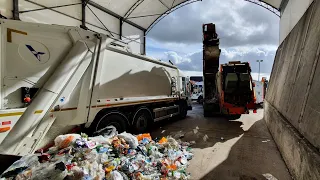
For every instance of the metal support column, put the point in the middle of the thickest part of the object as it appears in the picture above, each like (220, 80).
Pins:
(83, 11)
(15, 11)
(144, 42)
(120, 30)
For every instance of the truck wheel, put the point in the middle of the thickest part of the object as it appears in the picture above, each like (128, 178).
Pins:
(117, 120)
(206, 114)
(233, 117)
(200, 99)
(183, 107)
(142, 120)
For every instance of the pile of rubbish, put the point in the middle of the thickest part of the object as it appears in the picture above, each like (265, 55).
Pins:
(116, 157)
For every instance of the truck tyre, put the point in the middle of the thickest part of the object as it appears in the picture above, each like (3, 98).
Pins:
(200, 99)
(233, 117)
(206, 113)
(183, 109)
(142, 120)
(115, 119)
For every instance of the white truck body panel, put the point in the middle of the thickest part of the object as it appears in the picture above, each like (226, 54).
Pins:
(126, 76)
(258, 91)
(95, 77)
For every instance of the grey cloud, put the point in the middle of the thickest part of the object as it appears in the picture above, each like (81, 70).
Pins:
(184, 25)
(196, 60)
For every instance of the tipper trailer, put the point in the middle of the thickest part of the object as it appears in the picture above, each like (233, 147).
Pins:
(54, 77)
(228, 88)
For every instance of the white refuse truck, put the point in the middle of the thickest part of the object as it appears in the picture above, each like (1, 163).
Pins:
(56, 77)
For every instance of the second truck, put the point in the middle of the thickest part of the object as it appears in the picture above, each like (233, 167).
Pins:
(228, 88)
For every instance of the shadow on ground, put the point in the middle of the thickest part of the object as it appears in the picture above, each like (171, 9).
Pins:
(204, 131)
(241, 149)
(254, 156)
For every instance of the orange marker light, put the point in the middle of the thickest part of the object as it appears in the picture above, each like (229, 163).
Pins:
(4, 129)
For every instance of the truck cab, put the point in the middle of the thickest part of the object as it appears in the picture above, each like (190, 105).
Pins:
(185, 89)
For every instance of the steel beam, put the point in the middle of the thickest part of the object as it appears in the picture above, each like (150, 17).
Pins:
(32, 10)
(164, 4)
(132, 8)
(120, 28)
(15, 11)
(144, 43)
(98, 6)
(83, 11)
(265, 5)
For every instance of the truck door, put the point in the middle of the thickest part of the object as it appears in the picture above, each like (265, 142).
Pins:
(186, 88)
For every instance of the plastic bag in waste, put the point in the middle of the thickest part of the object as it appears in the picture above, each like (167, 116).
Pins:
(269, 176)
(130, 139)
(49, 171)
(75, 174)
(103, 158)
(115, 175)
(100, 139)
(93, 170)
(172, 143)
(108, 132)
(92, 156)
(66, 140)
(22, 164)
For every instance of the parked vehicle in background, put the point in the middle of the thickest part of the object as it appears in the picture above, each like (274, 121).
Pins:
(260, 89)
(197, 90)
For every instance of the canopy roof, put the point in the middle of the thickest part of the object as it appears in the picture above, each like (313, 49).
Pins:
(146, 13)
(274, 3)
(128, 20)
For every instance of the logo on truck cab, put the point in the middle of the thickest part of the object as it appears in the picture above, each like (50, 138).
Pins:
(34, 52)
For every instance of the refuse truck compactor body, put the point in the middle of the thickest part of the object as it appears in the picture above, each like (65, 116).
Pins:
(54, 78)
(228, 88)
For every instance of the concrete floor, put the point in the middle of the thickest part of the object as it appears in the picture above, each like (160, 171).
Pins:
(241, 149)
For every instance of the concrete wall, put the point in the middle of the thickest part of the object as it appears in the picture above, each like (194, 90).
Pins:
(290, 16)
(292, 103)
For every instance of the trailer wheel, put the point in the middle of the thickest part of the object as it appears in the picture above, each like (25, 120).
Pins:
(183, 107)
(114, 119)
(142, 120)
(206, 113)
(200, 99)
(233, 117)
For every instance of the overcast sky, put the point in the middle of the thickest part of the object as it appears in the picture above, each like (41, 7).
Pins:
(247, 32)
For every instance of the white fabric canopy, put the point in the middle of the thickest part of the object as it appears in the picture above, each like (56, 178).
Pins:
(274, 3)
(129, 20)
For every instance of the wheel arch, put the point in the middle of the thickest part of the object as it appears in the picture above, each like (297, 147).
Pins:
(140, 109)
(104, 113)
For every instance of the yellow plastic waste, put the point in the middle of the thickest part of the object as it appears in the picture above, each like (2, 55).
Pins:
(163, 140)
